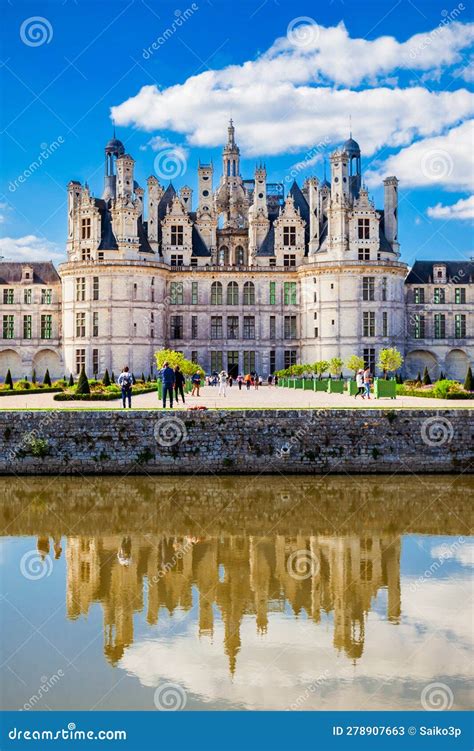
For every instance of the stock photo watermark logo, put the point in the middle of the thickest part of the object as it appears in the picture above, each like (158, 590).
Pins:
(437, 697)
(302, 564)
(170, 163)
(36, 31)
(437, 431)
(181, 17)
(447, 552)
(165, 568)
(311, 157)
(47, 150)
(34, 566)
(436, 165)
(169, 431)
(284, 451)
(170, 697)
(46, 685)
(447, 17)
(303, 32)
(313, 687)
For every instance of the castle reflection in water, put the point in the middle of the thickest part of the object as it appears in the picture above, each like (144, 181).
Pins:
(241, 575)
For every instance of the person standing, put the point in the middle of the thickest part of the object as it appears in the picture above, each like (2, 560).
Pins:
(248, 381)
(222, 382)
(125, 381)
(240, 381)
(196, 381)
(360, 384)
(178, 384)
(367, 380)
(167, 380)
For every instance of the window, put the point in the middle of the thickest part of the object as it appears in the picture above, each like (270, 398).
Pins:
(46, 296)
(315, 297)
(232, 327)
(239, 255)
(384, 324)
(289, 357)
(460, 295)
(194, 293)
(8, 327)
(419, 326)
(216, 361)
(460, 326)
(439, 296)
(27, 333)
(27, 296)
(176, 327)
(439, 326)
(176, 293)
(363, 226)
(80, 324)
(95, 288)
(289, 261)
(369, 359)
(419, 295)
(364, 254)
(194, 356)
(249, 293)
(249, 362)
(47, 326)
(224, 256)
(86, 228)
(134, 292)
(272, 261)
(384, 288)
(368, 323)
(216, 327)
(216, 293)
(86, 254)
(8, 297)
(194, 327)
(194, 261)
(289, 236)
(272, 293)
(80, 360)
(95, 361)
(176, 260)
(289, 293)
(152, 294)
(232, 293)
(249, 327)
(368, 288)
(289, 328)
(80, 288)
(95, 324)
(100, 255)
(177, 234)
(272, 361)
(272, 327)
(316, 332)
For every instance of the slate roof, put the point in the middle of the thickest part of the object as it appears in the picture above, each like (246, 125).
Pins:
(107, 237)
(43, 272)
(199, 246)
(267, 248)
(384, 243)
(457, 272)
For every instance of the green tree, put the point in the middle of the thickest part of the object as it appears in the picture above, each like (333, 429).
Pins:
(106, 378)
(426, 377)
(143, 378)
(112, 377)
(47, 378)
(320, 368)
(83, 383)
(469, 383)
(71, 380)
(335, 366)
(9, 380)
(355, 363)
(33, 376)
(176, 358)
(390, 360)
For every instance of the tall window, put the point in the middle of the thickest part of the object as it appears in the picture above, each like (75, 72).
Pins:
(363, 228)
(419, 326)
(289, 328)
(249, 327)
(194, 327)
(80, 324)
(216, 361)
(368, 323)
(176, 327)
(47, 326)
(46, 296)
(176, 293)
(384, 288)
(439, 295)
(289, 357)
(249, 362)
(384, 324)
(216, 293)
(439, 326)
(80, 288)
(95, 361)
(419, 295)
(272, 293)
(369, 359)
(95, 323)
(289, 236)
(27, 296)
(289, 293)
(289, 261)
(194, 293)
(232, 327)
(86, 228)
(224, 256)
(239, 255)
(368, 288)
(80, 360)
(232, 293)
(86, 254)
(272, 327)
(460, 326)
(177, 234)
(8, 327)
(460, 295)
(272, 361)
(216, 327)
(8, 296)
(364, 254)
(27, 327)
(95, 288)
(249, 293)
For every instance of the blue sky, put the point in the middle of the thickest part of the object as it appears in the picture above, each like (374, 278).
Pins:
(290, 74)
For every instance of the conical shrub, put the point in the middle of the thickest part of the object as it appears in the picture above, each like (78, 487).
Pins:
(83, 383)
(9, 380)
(47, 379)
(106, 378)
(426, 377)
(468, 383)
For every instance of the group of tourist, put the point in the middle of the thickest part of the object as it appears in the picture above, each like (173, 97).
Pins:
(363, 380)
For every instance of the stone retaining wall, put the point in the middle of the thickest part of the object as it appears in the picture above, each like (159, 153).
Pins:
(230, 442)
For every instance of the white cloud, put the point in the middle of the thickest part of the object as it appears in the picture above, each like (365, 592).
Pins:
(290, 97)
(462, 209)
(30, 248)
(445, 160)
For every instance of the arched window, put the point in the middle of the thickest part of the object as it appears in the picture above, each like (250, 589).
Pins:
(216, 293)
(232, 293)
(249, 293)
(224, 256)
(239, 256)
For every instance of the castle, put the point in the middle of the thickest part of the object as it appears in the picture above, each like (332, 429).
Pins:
(249, 279)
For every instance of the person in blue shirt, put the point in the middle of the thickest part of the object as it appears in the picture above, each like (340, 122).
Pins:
(125, 381)
(168, 380)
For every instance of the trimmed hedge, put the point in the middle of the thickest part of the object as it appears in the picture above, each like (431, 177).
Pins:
(21, 392)
(103, 397)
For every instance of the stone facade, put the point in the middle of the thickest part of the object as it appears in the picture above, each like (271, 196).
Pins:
(250, 279)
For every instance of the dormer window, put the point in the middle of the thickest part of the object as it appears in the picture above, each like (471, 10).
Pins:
(86, 228)
(439, 274)
(177, 234)
(289, 236)
(363, 226)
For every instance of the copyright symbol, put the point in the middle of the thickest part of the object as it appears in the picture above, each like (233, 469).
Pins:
(411, 731)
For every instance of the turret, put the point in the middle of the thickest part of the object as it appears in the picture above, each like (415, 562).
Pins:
(231, 154)
(186, 195)
(125, 166)
(260, 192)
(205, 174)
(155, 191)
(314, 211)
(113, 150)
(390, 185)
